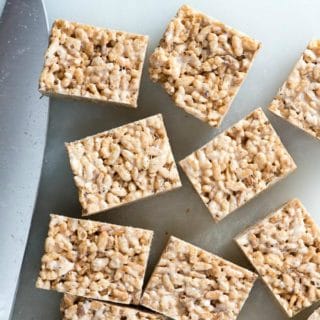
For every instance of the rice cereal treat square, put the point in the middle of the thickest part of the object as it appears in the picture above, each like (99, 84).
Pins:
(122, 165)
(190, 283)
(95, 259)
(84, 61)
(202, 63)
(75, 308)
(238, 164)
(285, 250)
(298, 100)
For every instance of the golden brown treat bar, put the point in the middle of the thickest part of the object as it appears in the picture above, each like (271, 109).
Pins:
(315, 315)
(238, 164)
(84, 61)
(202, 63)
(76, 308)
(285, 250)
(298, 100)
(190, 283)
(95, 259)
(122, 165)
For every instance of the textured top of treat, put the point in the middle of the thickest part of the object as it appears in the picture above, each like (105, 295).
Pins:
(202, 62)
(315, 315)
(123, 165)
(190, 283)
(298, 100)
(94, 259)
(285, 250)
(75, 308)
(91, 62)
(238, 164)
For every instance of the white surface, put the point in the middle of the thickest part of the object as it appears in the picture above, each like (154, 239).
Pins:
(284, 28)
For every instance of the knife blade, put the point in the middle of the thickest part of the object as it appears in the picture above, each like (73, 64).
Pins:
(23, 123)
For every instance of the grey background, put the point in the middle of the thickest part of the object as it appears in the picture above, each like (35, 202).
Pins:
(284, 28)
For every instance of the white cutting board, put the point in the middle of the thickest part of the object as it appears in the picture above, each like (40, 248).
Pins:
(284, 28)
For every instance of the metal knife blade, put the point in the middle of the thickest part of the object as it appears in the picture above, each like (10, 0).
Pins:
(23, 124)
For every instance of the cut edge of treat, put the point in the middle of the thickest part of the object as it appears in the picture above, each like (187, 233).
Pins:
(53, 215)
(241, 33)
(249, 272)
(116, 128)
(119, 205)
(57, 20)
(294, 166)
(108, 303)
(74, 97)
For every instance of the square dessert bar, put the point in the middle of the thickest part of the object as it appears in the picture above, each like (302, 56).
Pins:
(84, 61)
(298, 100)
(122, 165)
(75, 308)
(190, 283)
(94, 259)
(285, 250)
(238, 164)
(202, 63)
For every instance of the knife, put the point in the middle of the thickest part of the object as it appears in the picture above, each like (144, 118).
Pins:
(23, 125)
